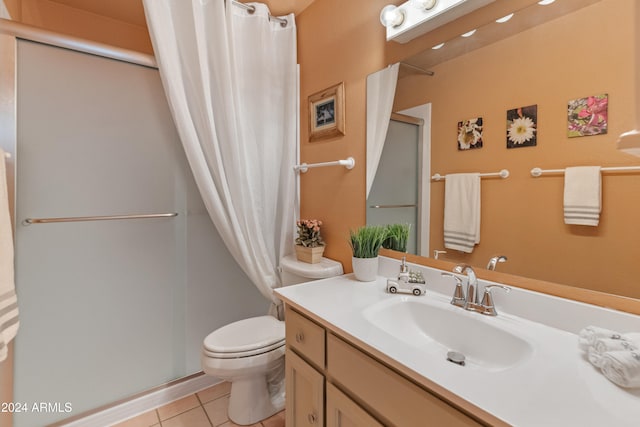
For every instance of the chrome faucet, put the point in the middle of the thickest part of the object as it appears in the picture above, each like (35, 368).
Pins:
(486, 306)
(495, 260)
(472, 284)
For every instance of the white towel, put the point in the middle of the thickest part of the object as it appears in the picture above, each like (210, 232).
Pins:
(622, 367)
(582, 195)
(603, 346)
(589, 335)
(462, 211)
(8, 298)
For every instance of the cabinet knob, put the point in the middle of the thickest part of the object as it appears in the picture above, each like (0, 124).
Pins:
(299, 337)
(312, 418)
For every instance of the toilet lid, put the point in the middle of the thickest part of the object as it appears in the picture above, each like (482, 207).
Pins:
(246, 335)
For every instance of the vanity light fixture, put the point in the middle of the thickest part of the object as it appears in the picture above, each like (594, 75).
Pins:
(414, 18)
(545, 2)
(504, 18)
(423, 4)
(469, 33)
(392, 16)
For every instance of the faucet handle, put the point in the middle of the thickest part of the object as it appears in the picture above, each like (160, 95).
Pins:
(458, 295)
(487, 299)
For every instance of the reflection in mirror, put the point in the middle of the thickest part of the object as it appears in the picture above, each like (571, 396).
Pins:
(541, 60)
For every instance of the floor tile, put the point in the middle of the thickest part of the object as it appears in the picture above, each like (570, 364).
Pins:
(192, 418)
(214, 392)
(144, 420)
(217, 410)
(276, 420)
(232, 424)
(177, 407)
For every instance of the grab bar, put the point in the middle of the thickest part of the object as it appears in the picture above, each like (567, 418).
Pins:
(29, 221)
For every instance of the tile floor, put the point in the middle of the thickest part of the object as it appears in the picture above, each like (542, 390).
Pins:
(207, 408)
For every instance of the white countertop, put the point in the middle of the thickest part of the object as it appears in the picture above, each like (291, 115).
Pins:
(554, 386)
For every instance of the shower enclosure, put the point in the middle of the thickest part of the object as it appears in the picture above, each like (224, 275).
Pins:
(109, 307)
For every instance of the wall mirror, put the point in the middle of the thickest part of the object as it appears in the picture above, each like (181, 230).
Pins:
(545, 56)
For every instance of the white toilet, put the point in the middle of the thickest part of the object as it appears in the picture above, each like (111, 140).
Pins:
(249, 353)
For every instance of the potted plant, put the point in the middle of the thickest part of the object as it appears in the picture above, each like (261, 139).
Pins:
(365, 244)
(309, 243)
(397, 237)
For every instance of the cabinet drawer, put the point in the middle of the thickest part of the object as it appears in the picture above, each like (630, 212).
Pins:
(306, 337)
(344, 412)
(389, 396)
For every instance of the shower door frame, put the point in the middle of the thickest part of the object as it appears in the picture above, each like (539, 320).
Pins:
(10, 33)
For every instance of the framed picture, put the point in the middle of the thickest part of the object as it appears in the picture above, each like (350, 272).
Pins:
(588, 116)
(326, 113)
(470, 134)
(522, 127)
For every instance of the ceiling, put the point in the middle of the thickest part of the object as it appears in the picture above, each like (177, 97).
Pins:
(132, 12)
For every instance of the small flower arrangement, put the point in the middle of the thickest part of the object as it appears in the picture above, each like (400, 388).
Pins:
(309, 233)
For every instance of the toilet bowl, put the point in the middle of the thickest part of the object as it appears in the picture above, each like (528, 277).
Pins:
(249, 353)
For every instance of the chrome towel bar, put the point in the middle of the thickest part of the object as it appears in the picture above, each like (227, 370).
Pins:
(29, 221)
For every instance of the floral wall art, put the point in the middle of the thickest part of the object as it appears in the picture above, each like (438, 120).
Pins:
(470, 134)
(587, 116)
(522, 127)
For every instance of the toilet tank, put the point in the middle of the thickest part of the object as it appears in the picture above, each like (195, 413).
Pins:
(294, 271)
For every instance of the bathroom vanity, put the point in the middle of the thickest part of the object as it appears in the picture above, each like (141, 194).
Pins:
(358, 355)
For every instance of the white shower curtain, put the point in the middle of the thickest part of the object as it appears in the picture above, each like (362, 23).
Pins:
(230, 79)
(381, 89)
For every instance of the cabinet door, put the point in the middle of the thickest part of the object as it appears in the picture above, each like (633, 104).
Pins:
(305, 393)
(344, 412)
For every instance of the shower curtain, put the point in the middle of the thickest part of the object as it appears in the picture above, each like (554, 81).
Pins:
(231, 81)
(381, 89)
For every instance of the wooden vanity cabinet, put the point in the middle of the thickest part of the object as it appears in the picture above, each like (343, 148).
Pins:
(330, 382)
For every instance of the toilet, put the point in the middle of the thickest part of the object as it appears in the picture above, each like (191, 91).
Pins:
(249, 353)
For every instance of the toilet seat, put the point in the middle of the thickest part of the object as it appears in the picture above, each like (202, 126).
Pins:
(244, 338)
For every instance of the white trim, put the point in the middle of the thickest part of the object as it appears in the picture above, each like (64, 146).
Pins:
(145, 403)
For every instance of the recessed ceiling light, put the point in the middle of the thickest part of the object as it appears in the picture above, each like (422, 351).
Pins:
(504, 18)
(469, 33)
(438, 46)
(545, 2)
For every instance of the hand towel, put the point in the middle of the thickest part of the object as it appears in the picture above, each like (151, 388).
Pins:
(8, 298)
(462, 211)
(606, 345)
(582, 195)
(588, 336)
(622, 367)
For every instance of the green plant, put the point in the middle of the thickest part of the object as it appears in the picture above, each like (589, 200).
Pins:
(397, 237)
(366, 241)
(309, 233)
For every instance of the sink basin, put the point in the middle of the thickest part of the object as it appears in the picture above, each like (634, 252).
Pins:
(437, 328)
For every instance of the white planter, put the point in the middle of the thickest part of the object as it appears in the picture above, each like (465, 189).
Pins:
(365, 269)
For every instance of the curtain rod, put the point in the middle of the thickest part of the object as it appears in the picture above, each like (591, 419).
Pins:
(422, 70)
(251, 9)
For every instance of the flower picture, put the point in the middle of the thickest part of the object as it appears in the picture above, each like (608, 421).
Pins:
(588, 116)
(522, 127)
(470, 134)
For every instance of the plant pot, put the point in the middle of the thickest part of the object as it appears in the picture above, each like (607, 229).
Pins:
(310, 255)
(365, 269)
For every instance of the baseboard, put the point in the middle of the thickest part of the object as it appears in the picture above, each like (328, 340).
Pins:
(141, 403)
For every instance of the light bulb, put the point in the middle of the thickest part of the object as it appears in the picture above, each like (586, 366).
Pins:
(391, 16)
(504, 18)
(423, 4)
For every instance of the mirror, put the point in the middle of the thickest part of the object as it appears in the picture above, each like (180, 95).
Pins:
(545, 56)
